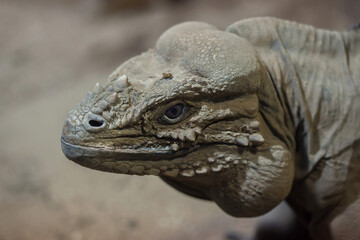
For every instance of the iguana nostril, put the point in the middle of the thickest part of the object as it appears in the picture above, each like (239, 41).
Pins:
(95, 123)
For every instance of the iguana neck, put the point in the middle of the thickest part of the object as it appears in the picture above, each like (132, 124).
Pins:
(316, 78)
(316, 74)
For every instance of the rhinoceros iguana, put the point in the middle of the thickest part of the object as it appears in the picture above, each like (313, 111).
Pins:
(263, 112)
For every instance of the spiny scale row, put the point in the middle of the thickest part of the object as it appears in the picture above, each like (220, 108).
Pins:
(215, 164)
(119, 84)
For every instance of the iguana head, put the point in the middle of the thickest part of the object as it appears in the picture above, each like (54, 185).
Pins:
(188, 111)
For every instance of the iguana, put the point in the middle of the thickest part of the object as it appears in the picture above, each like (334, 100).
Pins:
(265, 111)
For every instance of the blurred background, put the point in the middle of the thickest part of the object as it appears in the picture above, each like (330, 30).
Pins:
(51, 53)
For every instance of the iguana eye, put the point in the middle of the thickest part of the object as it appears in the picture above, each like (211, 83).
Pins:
(173, 114)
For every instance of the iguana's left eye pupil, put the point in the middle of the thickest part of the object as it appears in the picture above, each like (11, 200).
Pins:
(174, 111)
(174, 114)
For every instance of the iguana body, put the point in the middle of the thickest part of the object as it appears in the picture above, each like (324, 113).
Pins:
(262, 112)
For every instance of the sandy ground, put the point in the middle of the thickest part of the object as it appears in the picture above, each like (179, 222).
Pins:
(51, 54)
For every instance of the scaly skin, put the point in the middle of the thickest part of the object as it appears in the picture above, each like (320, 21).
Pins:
(240, 117)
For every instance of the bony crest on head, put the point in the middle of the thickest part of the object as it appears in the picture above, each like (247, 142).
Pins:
(121, 83)
(98, 89)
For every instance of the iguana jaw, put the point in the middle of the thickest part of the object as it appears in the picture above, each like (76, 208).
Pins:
(119, 154)
(200, 160)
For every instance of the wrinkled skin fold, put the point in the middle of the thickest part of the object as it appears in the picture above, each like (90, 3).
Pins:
(228, 116)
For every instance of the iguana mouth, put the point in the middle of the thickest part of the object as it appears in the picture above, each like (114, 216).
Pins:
(78, 152)
(150, 161)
